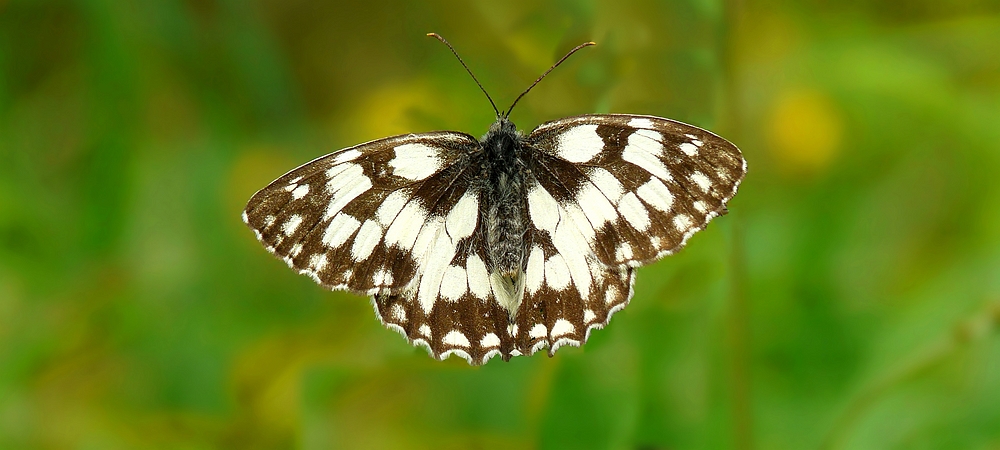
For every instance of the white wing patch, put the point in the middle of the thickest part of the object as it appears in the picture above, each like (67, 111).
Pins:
(634, 212)
(652, 135)
(398, 313)
(624, 252)
(574, 248)
(682, 222)
(543, 209)
(317, 262)
(690, 149)
(562, 327)
(557, 273)
(580, 144)
(404, 229)
(701, 180)
(391, 207)
(368, 237)
(595, 205)
(454, 284)
(645, 153)
(434, 262)
(479, 279)
(463, 217)
(347, 155)
(609, 185)
(456, 338)
(347, 182)
(291, 225)
(535, 271)
(640, 122)
(382, 277)
(490, 340)
(415, 161)
(656, 194)
(300, 191)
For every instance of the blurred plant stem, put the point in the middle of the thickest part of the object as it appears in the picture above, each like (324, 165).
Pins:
(973, 329)
(738, 320)
(738, 327)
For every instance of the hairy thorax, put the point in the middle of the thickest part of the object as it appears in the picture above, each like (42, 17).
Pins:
(504, 211)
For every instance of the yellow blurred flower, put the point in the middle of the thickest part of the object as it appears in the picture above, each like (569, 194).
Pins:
(390, 110)
(804, 131)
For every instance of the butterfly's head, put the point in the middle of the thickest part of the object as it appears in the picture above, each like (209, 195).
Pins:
(502, 137)
(503, 125)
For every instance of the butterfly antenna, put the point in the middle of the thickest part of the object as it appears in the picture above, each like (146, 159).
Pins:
(438, 37)
(578, 47)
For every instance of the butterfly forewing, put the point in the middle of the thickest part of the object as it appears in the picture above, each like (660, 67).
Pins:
(350, 219)
(643, 184)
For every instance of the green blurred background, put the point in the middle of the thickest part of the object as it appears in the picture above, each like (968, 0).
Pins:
(851, 299)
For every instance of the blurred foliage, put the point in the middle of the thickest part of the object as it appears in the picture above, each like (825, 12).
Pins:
(851, 299)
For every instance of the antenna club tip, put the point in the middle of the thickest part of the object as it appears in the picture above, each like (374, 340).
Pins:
(432, 34)
(590, 43)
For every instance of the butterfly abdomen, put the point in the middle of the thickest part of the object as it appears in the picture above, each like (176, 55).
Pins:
(504, 210)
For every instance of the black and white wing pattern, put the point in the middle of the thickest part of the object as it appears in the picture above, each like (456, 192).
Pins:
(351, 219)
(396, 219)
(429, 224)
(636, 187)
(611, 193)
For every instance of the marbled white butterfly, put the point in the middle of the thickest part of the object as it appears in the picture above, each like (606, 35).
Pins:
(503, 245)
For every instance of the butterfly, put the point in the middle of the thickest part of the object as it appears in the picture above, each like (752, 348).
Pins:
(506, 244)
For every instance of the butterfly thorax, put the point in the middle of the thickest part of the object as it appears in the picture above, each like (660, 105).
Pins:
(504, 210)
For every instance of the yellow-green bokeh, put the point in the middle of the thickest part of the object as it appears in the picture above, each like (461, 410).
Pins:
(851, 298)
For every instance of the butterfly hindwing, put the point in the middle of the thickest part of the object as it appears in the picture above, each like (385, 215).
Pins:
(350, 219)
(561, 304)
(463, 317)
(643, 184)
